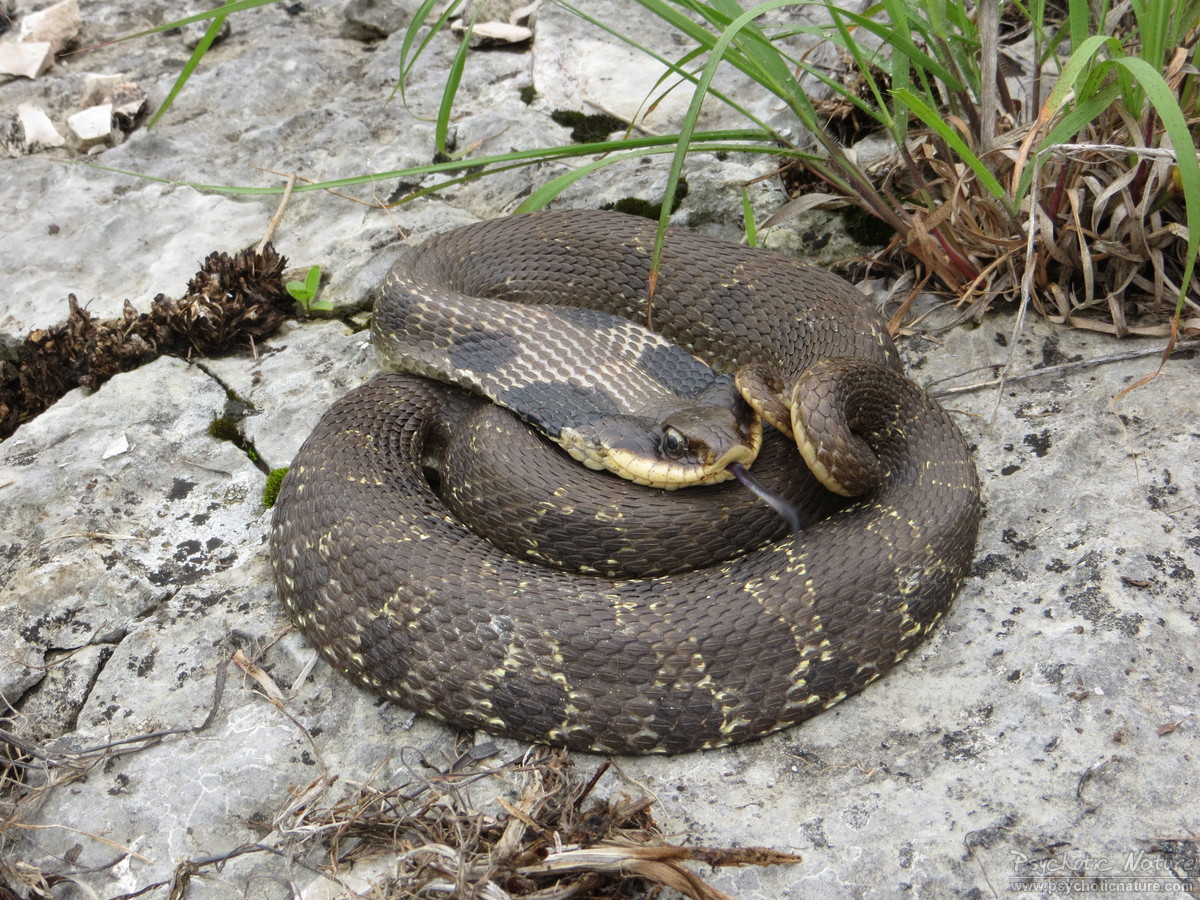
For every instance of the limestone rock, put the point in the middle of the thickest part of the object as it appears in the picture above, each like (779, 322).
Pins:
(39, 131)
(57, 25)
(26, 59)
(93, 127)
(98, 88)
(372, 20)
(1051, 717)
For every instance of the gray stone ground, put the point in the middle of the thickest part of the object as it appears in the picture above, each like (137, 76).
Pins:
(1051, 720)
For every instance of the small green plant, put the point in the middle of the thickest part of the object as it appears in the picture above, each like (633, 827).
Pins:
(271, 488)
(305, 292)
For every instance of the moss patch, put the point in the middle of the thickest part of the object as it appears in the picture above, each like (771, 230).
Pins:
(648, 209)
(587, 129)
(271, 488)
(226, 428)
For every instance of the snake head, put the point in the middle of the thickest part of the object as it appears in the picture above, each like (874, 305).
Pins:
(692, 445)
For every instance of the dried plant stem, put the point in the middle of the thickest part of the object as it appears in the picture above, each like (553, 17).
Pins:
(1064, 367)
(279, 211)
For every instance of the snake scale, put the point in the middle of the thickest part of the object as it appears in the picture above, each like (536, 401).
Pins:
(402, 598)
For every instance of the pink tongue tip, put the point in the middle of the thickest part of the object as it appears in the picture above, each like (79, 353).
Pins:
(786, 511)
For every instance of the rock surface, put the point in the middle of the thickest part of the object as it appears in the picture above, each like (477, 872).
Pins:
(57, 24)
(37, 130)
(27, 59)
(1051, 719)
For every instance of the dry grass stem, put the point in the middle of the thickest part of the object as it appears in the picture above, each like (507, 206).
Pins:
(525, 828)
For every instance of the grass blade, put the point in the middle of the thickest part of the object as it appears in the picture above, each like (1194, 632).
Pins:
(410, 37)
(227, 9)
(748, 219)
(718, 140)
(1066, 128)
(904, 44)
(716, 56)
(881, 112)
(555, 186)
(1187, 163)
(210, 35)
(453, 80)
(934, 121)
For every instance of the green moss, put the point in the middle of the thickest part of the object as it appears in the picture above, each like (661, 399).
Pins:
(587, 129)
(271, 488)
(402, 190)
(223, 428)
(527, 94)
(647, 209)
(636, 206)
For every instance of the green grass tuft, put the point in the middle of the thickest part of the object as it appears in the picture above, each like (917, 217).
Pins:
(1091, 143)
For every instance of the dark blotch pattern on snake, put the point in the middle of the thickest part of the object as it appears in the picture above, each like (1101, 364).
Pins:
(402, 598)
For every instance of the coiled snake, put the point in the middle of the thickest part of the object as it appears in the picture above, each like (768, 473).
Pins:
(402, 598)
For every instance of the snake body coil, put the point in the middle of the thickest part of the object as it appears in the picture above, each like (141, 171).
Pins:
(399, 596)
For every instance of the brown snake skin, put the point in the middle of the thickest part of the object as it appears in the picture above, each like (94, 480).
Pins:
(402, 598)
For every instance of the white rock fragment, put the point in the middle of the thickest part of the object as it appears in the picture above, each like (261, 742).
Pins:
(117, 447)
(42, 34)
(127, 99)
(57, 25)
(523, 14)
(98, 88)
(493, 33)
(39, 131)
(92, 126)
(27, 60)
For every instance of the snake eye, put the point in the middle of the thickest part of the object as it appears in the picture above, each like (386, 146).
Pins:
(674, 444)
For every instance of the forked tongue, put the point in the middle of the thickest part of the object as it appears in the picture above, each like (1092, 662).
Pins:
(786, 511)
